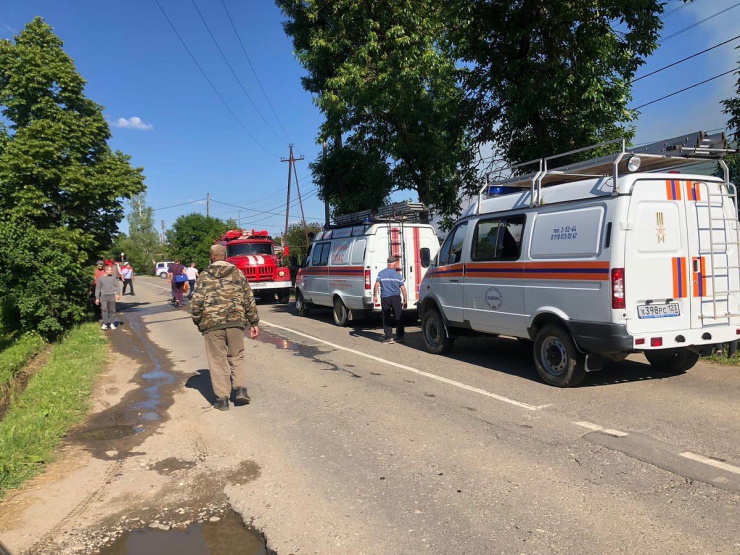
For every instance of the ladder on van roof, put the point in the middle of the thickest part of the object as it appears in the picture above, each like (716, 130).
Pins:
(719, 276)
(662, 155)
(409, 212)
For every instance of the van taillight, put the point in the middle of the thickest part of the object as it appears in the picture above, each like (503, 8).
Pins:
(367, 280)
(618, 288)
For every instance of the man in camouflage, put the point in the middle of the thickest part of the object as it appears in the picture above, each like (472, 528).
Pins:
(223, 307)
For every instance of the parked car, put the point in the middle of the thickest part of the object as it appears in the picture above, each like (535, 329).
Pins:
(161, 269)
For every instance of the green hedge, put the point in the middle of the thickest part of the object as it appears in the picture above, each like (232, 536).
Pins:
(15, 357)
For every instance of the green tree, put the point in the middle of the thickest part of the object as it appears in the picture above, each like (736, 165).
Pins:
(56, 167)
(192, 235)
(142, 245)
(732, 109)
(298, 239)
(551, 76)
(387, 91)
(62, 186)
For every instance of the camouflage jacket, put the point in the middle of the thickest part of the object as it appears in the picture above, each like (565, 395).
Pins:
(223, 299)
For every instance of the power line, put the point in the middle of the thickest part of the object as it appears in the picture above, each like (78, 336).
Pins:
(684, 59)
(231, 68)
(233, 26)
(674, 10)
(684, 89)
(661, 41)
(233, 115)
(181, 204)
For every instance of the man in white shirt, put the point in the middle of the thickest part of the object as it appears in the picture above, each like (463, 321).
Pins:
(127, 273)
(192, 273)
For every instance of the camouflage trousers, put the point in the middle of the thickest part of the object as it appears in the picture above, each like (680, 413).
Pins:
(225, 352)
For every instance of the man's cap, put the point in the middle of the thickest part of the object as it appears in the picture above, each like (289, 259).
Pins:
(392, 259)
(99, 263)
(218, 250)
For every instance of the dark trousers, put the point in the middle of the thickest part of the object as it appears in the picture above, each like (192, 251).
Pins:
(130, 283)
(177, 291)
(191, 283)
(392, 315)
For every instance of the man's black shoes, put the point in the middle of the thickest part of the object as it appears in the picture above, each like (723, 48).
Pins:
(222, 403)
(240, 396)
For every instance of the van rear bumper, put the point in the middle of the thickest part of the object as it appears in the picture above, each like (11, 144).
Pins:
(600, 338)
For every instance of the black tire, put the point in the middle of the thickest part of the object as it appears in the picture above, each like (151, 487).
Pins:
(284, 295)
(434, 333)
(556, 358)
(301, 306)
(340, 312)
(672, 361)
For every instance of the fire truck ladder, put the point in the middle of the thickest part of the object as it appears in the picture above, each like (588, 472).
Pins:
(397, 245)
(719, 248)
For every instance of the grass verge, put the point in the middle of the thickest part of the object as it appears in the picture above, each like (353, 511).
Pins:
(14, 358)
(56, 399)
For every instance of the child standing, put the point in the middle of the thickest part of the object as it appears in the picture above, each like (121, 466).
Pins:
(107, 292)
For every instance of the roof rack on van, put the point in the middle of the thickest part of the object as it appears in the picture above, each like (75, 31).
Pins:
(661, 155)
(407, 212)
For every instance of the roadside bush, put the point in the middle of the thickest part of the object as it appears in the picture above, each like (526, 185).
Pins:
(44, 277)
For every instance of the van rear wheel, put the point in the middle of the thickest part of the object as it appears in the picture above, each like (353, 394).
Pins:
(556, 357)
(300, 304)
(672, 361)
(433, 331)
(341, 314)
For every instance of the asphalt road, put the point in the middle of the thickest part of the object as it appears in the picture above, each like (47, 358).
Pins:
(353, 446)
(389, 449)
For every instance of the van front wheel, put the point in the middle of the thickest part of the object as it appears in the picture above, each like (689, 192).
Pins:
(300, 304)
(433, 330)
(341, 314)
(672, 361)
(556, 358)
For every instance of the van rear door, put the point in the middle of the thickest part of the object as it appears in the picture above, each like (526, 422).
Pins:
(713, 242)
(657, 259)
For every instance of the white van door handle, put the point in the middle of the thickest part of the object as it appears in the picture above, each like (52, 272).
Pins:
(454, 281)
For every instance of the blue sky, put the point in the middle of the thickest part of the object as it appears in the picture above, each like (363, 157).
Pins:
(167, 117)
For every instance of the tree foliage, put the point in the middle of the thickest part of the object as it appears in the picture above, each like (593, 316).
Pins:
(192, 235)
(142, 245)
(552, 76)
(298, 239)
(393, 107)
(62, 185)
(732, 109)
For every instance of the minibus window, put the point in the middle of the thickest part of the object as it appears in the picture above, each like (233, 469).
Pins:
(318, 249)
(451, 252)
(325, 254)
(499, 239)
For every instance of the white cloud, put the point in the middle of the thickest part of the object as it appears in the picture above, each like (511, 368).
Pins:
(134, 122)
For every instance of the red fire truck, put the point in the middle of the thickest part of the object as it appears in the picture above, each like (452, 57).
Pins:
(257, 256)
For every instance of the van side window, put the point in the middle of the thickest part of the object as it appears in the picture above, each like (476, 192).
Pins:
(451, 252)
(318, 254)
(325, 254)
(358, 252)
(499, 239)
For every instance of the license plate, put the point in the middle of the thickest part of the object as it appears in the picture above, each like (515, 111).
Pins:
(258, 285)
(665, 310)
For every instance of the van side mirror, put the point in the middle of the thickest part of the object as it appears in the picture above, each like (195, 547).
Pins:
(425, 256)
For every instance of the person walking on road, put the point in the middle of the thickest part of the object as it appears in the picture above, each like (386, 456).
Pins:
(128, 278)
(192, 273)
(176, 274)
(391, 289)
(223, 307)
(107, 292)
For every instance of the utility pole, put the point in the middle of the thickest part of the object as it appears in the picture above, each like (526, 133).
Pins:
(326, 201)
(162, 237)
(208, 205)
(291, 170)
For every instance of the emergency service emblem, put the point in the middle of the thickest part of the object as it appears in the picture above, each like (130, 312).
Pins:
(493, 298)
(660, 227)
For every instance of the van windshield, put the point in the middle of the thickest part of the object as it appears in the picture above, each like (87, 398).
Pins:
(243, 249)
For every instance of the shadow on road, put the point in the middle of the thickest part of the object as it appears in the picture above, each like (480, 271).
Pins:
(202, 383)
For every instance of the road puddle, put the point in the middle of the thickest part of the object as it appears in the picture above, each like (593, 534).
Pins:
(228, 534)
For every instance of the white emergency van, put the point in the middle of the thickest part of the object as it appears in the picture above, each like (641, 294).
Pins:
(596, 260)
(344, 260)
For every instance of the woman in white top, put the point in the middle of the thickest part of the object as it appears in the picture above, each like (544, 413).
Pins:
(192, 273)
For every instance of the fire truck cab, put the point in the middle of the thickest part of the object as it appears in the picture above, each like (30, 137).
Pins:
(255, 254)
